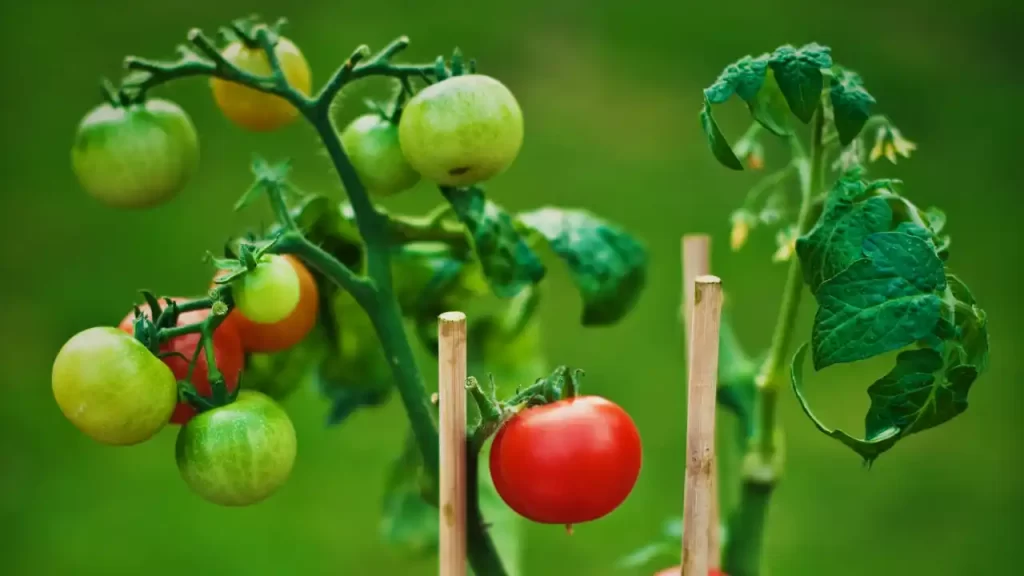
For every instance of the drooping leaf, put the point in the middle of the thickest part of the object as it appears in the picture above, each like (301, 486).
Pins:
(753, 82)
(969, 345)
(851, 103)
(836, 241)
(798, 73)
(607, 265)
(716, 140)
(917, 394)
(508, 262)
(408, 521)
(887, 300)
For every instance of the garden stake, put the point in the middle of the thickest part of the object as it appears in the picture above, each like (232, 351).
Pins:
(696, 262)
(451, 332)
(700, 423)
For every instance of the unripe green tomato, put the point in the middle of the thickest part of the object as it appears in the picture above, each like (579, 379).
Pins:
(270, 292)
(462, 130)
(371, 143)
(113, 388)
(238, 454)
(137, 156)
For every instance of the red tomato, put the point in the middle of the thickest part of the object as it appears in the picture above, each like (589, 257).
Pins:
(288, 332)
(568, 462)
(227, 349)
(677, 570)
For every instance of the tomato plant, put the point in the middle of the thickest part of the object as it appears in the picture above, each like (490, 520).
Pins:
(112, 388)
(330, 292)
(568, 462)
(875, 263)
(135, 154)
(237, 454)
(177, 355)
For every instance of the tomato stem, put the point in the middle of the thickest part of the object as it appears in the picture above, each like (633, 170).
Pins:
(763, 461)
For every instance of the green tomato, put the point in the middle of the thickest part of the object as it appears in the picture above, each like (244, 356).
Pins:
(462, 130)
(238, 454)
(371, 142)
(137, 156)
(113, 388)
(270, 292)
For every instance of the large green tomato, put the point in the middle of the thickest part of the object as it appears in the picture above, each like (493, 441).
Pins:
(238, 454)
(113, 388)
(371, 142)
(462, 130)
(136, 156)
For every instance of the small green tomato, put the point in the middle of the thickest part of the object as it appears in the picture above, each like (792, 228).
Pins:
(136, 156)
(371, 142)
(462, 130)
(270, 292)
(238, 454)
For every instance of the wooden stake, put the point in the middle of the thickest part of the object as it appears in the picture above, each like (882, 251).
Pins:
(451, 331)
(700, 424)
(697, 262)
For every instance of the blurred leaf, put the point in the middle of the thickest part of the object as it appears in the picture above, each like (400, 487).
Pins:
(798, 73)
(608, 266)
(716, 140)
(851, 103)
(505, 526)
(769, 107)
(408, 521)
(882, 302)
(736, 377)
(281, 373)
(354, 373)
(507, 260)
(648, 554)
(916, 395)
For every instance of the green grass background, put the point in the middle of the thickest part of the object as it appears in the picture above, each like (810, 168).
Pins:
(610, 92)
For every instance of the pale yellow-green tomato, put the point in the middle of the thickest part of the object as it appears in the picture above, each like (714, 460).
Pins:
(462, 130)
(268, 293)
(371, 143)
(113, 388)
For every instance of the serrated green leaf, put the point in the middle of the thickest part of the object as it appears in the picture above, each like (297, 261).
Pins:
(607, 265)
(716, 140)
(887, 300)
(917, 394)
(408, 521)
(969, 345)
(851, 103)
(798, 73)
(508, 262)
(743, 78)
(836, 241)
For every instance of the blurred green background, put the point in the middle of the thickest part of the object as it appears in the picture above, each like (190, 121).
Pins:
(610, 92)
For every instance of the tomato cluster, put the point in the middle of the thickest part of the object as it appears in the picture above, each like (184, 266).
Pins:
(121, 387)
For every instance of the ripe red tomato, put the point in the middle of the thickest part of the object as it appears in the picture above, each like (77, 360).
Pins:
(288, 332)
(568, 462)
(227, 349)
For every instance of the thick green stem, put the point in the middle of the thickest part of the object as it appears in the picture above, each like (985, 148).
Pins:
(763, 462)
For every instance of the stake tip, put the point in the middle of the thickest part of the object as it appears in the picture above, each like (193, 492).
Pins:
(708, 279)
(452, 317)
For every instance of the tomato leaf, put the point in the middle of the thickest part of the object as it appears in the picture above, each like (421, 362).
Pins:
(736, 378)
(882, 302)
(851, 103)
(798, 73)
(508, 262)
(753, 82)
(716, 140)
(919, 393)
(408, 520)
(608, 266)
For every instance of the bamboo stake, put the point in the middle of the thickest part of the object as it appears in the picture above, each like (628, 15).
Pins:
(700, 424)
(451, 331)
(697, 262)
